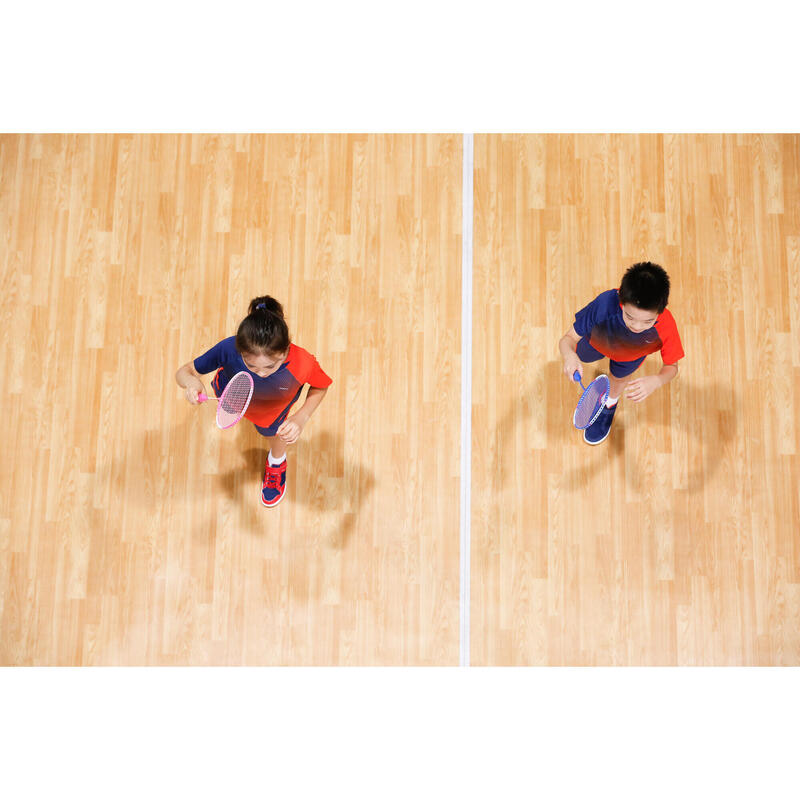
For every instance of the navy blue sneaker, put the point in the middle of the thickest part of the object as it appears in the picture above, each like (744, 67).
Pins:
(600, 428)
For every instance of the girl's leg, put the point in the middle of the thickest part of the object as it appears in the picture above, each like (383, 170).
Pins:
(277, 447)
(273, 487)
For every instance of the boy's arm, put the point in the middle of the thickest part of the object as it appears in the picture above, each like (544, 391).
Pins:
(639, 388)
(668, 372)
(568, 342)
(567, 346)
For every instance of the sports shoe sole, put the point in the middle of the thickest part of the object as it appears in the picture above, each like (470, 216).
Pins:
(599, 441)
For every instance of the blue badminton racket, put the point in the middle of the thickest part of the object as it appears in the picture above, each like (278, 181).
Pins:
(592, 400)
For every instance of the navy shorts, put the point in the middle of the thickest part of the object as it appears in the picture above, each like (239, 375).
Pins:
(272, 428)
(619, 369)
(271, 431)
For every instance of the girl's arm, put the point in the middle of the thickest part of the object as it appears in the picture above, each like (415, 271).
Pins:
(313, 399)
(189, 378)
(291, 428)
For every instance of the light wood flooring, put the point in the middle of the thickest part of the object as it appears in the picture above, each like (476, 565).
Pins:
(131, 530)
(676, 541)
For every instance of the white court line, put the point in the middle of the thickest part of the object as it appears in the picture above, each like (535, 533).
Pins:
(466, 393)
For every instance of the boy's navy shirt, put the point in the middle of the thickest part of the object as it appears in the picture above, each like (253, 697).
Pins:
(602, 324)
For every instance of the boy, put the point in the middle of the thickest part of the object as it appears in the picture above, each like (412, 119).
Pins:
(625, 324)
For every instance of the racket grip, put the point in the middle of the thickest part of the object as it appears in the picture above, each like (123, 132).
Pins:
(202, 397)
(576, 376)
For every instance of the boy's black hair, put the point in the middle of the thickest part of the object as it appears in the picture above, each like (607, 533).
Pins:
(263, 330)
(646, 286)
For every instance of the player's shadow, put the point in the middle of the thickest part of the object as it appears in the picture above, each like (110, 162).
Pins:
(318, 478)
(552, 399)
(696, 415)
(335, 487)
(521, 407)
(708, 432)
(710, 429)
(139, 473)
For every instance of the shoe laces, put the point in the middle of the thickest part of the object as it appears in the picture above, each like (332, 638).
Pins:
(272, 478)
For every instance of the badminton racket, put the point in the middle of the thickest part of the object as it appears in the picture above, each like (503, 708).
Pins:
(233, 401)
(592, 400)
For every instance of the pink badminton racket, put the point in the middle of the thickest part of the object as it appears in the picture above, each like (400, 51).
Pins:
(233, 401)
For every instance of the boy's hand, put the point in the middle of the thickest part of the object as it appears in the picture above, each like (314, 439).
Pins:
(290, 429)
(638, 389)
(572, 363)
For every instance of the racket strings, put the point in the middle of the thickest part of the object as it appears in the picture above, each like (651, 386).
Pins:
(590, 405)
(234, 400)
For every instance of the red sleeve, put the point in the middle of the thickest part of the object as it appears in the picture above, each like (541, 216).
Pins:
(306, 368)
(317, 377)
(671, 348)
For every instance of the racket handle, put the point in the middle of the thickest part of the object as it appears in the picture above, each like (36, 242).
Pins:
(576, 376)
(202, 397)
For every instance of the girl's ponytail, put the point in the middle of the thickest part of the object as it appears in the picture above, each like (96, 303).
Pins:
(266, 303)
(264, 329)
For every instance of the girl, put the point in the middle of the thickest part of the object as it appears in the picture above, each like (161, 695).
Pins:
(279, 368)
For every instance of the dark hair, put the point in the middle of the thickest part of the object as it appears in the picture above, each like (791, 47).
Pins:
(646, 286)
(263, 330)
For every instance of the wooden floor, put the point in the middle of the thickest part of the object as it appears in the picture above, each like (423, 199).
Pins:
(678, 541)
(131, 530)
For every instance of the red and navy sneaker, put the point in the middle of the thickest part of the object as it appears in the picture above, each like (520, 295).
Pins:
(599, 429)
(274, 486)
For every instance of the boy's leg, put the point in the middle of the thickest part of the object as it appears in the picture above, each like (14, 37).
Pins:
(625, 369)
(617, 386)
(600, 428)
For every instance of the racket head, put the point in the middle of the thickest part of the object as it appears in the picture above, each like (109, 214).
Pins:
(234, 400)
(591, 403)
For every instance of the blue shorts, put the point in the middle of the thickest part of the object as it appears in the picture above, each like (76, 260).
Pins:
(272, 428)
(619, 369)
(271, 431)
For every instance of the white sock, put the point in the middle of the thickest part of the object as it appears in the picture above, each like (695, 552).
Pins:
(275, 462)
(611, 402)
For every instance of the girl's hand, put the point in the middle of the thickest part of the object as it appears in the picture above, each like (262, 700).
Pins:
(638, 389)
(290, 429)
(194, 390)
